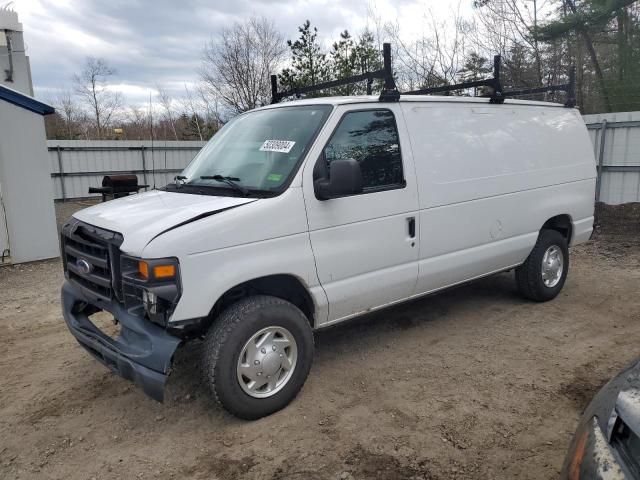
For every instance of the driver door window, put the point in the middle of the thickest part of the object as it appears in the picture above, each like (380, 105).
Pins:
(371, 138)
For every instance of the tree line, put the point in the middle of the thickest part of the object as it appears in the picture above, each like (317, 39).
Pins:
(539, 41)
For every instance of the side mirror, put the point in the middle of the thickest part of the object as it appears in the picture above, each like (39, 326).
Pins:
(345, 178)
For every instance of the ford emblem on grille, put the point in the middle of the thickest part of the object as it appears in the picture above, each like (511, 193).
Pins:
(84, 266)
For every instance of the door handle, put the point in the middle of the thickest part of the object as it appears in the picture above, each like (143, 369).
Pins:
(411, 224)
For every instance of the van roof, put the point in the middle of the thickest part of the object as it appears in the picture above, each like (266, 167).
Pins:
(408, 99)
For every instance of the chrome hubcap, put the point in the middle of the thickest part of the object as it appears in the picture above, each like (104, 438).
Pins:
(552, 266)
(267, 361)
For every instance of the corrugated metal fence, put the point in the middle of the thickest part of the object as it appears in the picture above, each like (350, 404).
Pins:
(616, 143)
(77, 165)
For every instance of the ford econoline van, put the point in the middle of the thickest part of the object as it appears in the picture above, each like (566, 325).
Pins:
(300, 215)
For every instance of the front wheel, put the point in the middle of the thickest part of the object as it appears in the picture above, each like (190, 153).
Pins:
(542, 275)
(257, 356)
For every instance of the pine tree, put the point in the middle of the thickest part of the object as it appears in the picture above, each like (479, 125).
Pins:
(349, 58)
(309, 65)
(343, 63)
(368, 57)
(476, 67)
(591, 20)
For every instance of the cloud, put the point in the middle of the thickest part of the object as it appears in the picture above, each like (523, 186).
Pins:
(160, 41)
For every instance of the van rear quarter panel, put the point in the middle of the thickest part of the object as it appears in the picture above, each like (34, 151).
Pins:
(489, 176)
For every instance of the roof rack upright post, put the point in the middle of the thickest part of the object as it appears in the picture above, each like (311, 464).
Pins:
(274, 89)
(571, 88)
(498, 95)
(389, 91)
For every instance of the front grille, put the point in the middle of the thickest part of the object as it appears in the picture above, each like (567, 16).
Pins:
(91, 258)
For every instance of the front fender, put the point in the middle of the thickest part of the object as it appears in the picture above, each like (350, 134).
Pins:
(207, 276)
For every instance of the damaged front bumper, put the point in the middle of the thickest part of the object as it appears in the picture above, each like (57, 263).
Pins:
(142, 352)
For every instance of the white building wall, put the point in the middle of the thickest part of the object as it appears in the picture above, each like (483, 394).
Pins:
(26, 187)
(4, 234)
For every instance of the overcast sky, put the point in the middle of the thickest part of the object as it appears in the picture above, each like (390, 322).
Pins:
(160, 41)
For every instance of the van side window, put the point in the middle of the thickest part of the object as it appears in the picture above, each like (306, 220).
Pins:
(371, 138)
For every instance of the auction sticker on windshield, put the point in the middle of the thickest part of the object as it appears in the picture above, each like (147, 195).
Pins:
(282, 146)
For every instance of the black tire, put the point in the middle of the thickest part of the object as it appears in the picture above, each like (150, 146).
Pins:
(529, 274)
(228, 335)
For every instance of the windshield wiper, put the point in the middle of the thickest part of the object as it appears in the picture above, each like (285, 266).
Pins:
(231, 181)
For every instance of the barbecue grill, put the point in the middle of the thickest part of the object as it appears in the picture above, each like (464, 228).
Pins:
(116, 186)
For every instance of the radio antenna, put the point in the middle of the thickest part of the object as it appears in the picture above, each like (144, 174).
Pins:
(153, 159)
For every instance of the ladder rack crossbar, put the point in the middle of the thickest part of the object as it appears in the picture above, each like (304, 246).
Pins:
(390, 92)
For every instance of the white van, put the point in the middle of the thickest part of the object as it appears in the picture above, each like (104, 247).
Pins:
(301, 215)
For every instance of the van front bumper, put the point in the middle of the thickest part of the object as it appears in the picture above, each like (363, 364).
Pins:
(142, 352)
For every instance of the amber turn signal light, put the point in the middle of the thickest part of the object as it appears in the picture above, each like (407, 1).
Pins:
(143, 269)
(159, 272)
(164, 271)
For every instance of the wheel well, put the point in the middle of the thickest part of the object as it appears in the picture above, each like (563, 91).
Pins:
(562, 224)
(286, 287)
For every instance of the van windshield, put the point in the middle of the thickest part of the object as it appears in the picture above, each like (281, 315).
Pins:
(255, 152)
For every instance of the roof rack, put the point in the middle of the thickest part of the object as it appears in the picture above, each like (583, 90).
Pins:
(390, 92)
(497, 95)
(569, 88)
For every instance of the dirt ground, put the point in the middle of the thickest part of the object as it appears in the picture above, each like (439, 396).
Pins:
(471, 383)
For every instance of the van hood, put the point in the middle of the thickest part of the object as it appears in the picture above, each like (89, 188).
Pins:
(142, 217)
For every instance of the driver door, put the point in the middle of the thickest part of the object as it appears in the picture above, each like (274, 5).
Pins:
(365, 245)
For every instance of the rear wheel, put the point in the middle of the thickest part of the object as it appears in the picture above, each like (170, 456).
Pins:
(542, 275)
(257, 356)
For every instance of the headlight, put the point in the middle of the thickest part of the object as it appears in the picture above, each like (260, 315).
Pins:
(150, 302)
(152, 286)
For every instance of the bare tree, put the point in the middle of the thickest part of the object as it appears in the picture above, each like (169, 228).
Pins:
(193, 111)
(93, 89)
(84, 123)
(210, 106)
(430, 59)
(509, 27)
(167, 105)
(236, 65)
(69, 111)
(137, 123)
